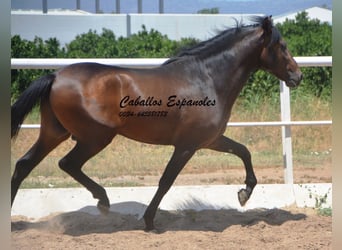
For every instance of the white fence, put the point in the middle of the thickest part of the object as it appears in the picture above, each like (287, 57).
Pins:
(285, 123)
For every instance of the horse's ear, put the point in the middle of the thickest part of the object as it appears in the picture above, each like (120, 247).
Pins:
(267, 25)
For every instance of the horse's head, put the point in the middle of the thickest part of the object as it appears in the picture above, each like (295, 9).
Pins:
(276, 58)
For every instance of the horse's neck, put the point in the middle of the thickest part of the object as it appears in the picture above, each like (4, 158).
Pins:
(231, 71)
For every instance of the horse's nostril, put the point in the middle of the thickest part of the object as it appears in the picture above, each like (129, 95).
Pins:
(300, 76)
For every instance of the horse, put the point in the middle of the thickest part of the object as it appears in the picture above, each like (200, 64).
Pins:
(186, 102)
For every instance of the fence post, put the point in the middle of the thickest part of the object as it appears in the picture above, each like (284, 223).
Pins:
(45, 6)
(117, 7)
(97, 6)
(78, 4)
(161, 6)
(140, 6)
(285, 110)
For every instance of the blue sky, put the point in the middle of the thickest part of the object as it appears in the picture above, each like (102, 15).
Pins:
(274, 7)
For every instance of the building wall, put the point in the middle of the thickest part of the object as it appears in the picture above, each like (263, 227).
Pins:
(177, 26)
(66, 27)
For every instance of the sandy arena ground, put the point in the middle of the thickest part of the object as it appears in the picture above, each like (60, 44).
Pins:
(288, 228)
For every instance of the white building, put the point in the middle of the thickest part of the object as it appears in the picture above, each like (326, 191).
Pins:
(65, 25)
(322, 14)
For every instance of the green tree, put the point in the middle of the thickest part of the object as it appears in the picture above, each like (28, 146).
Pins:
(304, 37)
(91, 44)
(307, 37)
(21, 48)
(146, 44)
(209, 11)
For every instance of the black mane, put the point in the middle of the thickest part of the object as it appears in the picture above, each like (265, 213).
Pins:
(224, 40)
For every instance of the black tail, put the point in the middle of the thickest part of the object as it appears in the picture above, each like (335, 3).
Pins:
(38, 89)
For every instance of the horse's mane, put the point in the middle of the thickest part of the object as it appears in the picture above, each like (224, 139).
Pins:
(223, 40)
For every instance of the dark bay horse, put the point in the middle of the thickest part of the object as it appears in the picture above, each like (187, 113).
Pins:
(186, 102)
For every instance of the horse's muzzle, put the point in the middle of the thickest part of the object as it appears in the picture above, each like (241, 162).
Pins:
(294, 79)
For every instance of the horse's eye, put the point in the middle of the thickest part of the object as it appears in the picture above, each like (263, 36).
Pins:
(283, 46)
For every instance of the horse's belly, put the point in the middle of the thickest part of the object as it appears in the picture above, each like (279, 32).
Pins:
(170, 131)
(152, 131)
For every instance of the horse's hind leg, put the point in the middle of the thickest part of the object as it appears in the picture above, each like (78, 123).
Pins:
(225, 144)
(30, 160)
(74, 160)
(50, 136)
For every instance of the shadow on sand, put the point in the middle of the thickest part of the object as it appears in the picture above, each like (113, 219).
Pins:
(88, 221)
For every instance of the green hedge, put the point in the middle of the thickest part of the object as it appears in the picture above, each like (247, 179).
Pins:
(304, 37)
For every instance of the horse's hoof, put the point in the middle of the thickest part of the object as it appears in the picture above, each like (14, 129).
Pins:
(149, 229)
(104, 209)
(243, 196)
(149, 226)
(152, 229)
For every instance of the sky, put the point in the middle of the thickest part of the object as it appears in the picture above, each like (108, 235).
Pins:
(274, 7)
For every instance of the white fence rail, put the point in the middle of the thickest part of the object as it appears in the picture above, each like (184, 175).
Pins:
(285, 123)
(55, 63)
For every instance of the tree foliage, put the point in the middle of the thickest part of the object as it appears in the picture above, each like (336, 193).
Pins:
(304, 38)
(144, 44)
(310, 38)
(209, 11)
(31, 49)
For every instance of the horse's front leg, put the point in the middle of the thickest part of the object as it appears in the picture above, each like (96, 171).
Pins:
(178, 160)
(224, 144)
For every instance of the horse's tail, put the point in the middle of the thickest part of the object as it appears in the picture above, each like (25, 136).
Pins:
(37, 90)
